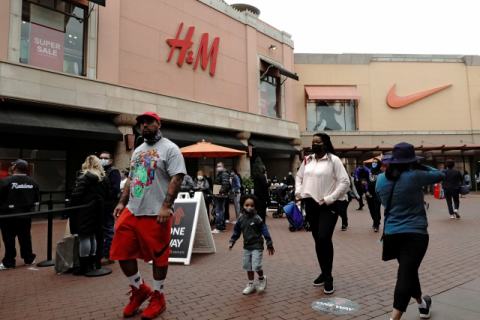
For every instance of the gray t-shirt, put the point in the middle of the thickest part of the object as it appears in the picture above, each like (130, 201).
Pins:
(151, 169)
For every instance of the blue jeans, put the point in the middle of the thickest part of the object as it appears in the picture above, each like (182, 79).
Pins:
(220, 210)
(108, 226)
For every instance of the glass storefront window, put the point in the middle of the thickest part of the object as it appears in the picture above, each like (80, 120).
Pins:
(270, 96)
(338, 115)
(53, 35)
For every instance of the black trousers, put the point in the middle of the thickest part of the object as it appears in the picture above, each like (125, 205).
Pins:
(322, 221)
(449, 194)
(410, 249)
(262, 211)
(227, 208)
(374, 206)
(11, 229)
(360, 189)
(342, 208)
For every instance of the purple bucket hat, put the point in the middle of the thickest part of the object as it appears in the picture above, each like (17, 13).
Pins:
(402, 153)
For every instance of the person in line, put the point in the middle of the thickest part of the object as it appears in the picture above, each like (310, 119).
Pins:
(21, 192)
(321, 181)
(451, 187)
(222, 200)
(373, 202)
(405, 234)
(187, 184)
(144, 215)
(262, 192)
(344, 202)
(284, 181)
(361, 178)
(108, 222)
(253, 228)
(290, 180)
(92, 185)
(358, 197)
(125, 174)
(200, 184)
(275, 179)
(236, 187)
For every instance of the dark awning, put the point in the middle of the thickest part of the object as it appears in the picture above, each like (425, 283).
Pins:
(271, 145)
(184, 136)
(39, 121)
(99, 2)
(287, 73)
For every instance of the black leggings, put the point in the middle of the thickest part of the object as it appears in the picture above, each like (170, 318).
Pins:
(374, 206)
(410, 249)
(322, 221)
(449, 194)
(342, 208)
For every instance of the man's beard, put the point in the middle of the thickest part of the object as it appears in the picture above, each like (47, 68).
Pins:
(149, 136)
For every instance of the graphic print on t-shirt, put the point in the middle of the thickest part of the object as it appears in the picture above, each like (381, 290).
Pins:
(142, 171)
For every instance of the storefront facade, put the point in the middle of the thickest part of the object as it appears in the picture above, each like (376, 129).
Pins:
(212, 72)
(368, 103)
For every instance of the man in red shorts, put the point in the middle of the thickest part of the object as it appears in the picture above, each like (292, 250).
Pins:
(144, 214)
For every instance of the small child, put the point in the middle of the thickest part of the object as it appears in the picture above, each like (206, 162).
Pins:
(252, 227)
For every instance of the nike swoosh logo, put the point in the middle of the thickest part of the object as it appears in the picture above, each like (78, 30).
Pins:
(395, 101)
(159, 254)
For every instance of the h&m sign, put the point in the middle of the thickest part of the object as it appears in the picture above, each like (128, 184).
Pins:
(203, 52)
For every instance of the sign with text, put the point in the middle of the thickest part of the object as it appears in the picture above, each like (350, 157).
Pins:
(335, 306)
(46, 47)
(204, 54)
(190, 231)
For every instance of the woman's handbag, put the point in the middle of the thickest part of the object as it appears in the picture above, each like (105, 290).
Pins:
(388, 252)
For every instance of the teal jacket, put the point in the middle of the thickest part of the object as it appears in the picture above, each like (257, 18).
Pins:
(407, 211)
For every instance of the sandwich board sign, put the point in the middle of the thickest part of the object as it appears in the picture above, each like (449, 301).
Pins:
(190, 231)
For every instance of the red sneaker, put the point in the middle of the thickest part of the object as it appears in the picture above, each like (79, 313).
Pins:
(136, 299)
(157, 305)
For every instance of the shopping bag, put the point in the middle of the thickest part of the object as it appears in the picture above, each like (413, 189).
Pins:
(294, 215)
(66, 254)
(465, 189)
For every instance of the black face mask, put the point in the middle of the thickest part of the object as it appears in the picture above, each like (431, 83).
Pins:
(318, 148)
(248, 210)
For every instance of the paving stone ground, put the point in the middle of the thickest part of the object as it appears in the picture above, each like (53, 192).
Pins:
(211, 287)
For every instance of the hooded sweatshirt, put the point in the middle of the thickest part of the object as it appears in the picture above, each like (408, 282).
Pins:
(252, 227)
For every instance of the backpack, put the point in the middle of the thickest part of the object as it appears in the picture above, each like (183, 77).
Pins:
(294, 215)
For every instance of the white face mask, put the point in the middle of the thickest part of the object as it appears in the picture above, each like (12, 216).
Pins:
(219, 169)
(104, 162)
(200, 177)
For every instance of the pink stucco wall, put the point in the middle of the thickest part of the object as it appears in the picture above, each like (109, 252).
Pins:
(133, 51)
(4, 28)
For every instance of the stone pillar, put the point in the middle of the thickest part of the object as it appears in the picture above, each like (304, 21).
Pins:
(242, 163)
(295, 161)
(121, 157)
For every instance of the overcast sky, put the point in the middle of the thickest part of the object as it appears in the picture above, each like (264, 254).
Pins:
(376, 26)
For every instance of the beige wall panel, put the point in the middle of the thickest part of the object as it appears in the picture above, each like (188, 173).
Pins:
(365, 109)
(4, 28)
(347, 74)
(431, 113)
(475, 106)
(473, 75)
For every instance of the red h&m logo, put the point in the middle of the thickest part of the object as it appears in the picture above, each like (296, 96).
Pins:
(203, 52)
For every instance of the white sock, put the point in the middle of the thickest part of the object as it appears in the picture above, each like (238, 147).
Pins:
(423, 304)
(158, 285)
(136, 280)
(261, 278)
(251, 281)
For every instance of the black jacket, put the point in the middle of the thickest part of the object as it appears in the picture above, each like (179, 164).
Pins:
(261, 186)
(453, 179)
(223, 178)
(290, 181)
(114, 178)
(20, 191)
(87, 189)
(253, 228)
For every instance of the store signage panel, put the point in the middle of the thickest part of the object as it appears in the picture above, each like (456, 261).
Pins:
(46, 47)
(204, 53)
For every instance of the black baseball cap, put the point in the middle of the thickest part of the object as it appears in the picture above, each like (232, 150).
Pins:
(20, 164)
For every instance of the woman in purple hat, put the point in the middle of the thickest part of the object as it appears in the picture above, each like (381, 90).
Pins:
(405, 232)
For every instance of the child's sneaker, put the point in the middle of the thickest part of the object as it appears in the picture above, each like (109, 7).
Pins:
(263, 284)
(250, 288)
(157, 305)
(136, 299)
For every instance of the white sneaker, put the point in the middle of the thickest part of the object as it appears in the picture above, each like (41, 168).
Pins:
(226, 221)
(2, 267)
(29, 264)
(250, 288)
(452, 216)
(218, 231)
(263, 284)
(233, 222)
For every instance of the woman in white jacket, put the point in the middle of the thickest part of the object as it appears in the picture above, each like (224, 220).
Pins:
(320, 182)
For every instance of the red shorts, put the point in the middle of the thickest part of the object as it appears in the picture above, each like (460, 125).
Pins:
(141, 238)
